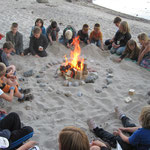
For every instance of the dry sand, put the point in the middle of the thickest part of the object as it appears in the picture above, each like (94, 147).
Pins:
(50, 110)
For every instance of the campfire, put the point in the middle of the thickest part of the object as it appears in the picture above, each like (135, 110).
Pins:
(75, 66)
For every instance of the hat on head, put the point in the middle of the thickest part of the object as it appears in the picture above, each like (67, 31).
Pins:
(68, 34)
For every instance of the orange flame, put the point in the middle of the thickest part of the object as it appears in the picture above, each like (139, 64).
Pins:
(76, 61)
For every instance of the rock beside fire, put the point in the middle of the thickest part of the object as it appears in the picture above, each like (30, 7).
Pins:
(91, 77)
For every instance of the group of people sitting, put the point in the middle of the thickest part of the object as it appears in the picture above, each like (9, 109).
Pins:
(128, 137)
(71, 138)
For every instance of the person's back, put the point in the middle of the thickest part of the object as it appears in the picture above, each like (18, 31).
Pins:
(141, 139)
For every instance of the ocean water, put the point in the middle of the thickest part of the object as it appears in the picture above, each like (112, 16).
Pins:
(139, 8)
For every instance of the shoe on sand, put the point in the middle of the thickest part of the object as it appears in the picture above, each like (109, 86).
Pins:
(25, 91)
(91, 123)
(118, 112)
(28, 97)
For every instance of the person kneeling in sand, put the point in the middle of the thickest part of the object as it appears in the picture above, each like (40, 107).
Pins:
(83, 34)
(52, 32)
(144, 57)
(117, 21)
(121, 38)
(38, 44)
(132, 51)
(8, 85)
(8, 47)
(16, 38)
(69, 34)
(140, 136)
(97, 37)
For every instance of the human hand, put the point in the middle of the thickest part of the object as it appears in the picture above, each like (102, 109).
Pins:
(118, 60)
(97, 143)
(40, 48)
(94, 148)
(2, 111)
(11, 67)
(27, 145)
(117, 132)
(37, 56)
(68, 45)
(22, 54)
(88, 41)
(111, 40)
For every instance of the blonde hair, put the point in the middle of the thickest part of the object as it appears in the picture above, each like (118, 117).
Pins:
(145, 117)
(2, 69)
(72, 138)
(125, 27)
(143, 37)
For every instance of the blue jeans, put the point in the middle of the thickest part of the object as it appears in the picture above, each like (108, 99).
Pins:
(98, 42)
(118, 51)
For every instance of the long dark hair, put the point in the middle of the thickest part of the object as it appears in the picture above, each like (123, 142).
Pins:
(39, 19)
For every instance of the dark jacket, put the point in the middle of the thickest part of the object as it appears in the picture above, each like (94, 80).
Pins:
(3, 58)
(17, 41)
(83, 37)
(35, 43)
(122, 39)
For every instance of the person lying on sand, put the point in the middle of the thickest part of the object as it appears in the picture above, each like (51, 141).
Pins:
(109, 42)
(69, 34)
(139, 136)
(10, 85)
(144, 57)
(38, 44)
(132, 51)
(121, 38)
(16, 38)
(97, 37)
(12, 129)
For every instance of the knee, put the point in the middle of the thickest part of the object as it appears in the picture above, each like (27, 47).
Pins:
(112, 50)
(107, 42)
(28, 129)
(118, 52)
(14, 115)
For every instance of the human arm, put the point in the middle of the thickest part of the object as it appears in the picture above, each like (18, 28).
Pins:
(7, 37)
(7, 97)
(50, 38)
(20, 44)
(31, 44)
(27, 145)
(123, 137)
(98, 143)
(129, 129)
(146, 50)
(45, 42)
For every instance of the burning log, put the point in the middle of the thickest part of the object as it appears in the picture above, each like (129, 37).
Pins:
(79, 75)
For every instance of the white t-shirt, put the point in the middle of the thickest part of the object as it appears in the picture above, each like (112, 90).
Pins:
(1, 92)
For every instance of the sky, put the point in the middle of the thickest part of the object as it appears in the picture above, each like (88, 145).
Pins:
(139, 8)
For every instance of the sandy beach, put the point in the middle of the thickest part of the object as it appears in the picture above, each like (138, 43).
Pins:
(51, 110)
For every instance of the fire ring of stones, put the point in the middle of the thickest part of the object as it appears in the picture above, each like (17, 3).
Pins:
(75, 68)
